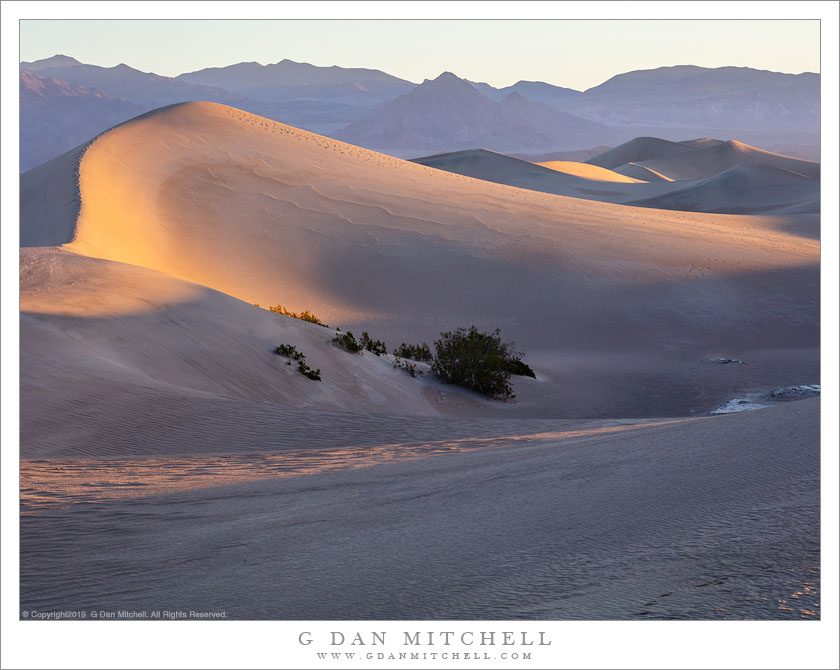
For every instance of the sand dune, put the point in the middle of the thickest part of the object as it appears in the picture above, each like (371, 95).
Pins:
(636, 171)
(572, 179)
(693, 159)
(588, 171)
(50, 202)
(599, 296)
(745, 188)
(98, 329)
(580, 155)
(641, 149)
(703, 142)
(715, 159)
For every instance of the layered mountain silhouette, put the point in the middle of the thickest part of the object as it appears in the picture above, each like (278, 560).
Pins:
(691, 96)
(448, 113)
(289, 80)
(56, 116)
(369, 107)
(538, 91)
(121, 81)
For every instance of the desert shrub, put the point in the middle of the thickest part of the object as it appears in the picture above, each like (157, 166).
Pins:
(306, 371)
(516, 366)
(305, 315)
(416, 352)
(409, 367)
(475, 360)
(290, 351)
(348, 342)
(374, 346)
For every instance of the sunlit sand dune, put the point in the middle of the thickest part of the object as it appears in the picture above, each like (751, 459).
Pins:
(588, 171)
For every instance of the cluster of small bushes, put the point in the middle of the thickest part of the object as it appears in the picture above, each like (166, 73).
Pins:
(416, 352)
(290, 351)
(374, 346)
(465, 357)
(305, 315)
(348, 342)
(478, 361)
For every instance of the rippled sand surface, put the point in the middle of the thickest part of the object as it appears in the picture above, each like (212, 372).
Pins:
(659, 521)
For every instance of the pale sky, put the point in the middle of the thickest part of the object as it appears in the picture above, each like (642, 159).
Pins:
(573, 53)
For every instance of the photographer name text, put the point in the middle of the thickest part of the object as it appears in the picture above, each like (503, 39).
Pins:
(428, 639)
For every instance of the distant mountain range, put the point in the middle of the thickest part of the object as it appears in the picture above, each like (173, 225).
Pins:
(56, 116)
(121, 81)
(65, 102)
(288, 80)
(448, 113)
(686, 95)
(537, 91)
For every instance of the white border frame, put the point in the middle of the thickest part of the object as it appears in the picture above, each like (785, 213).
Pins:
(274, 644)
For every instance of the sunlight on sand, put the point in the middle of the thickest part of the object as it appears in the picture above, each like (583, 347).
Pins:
(801, 600)
(55, 281)
(49, 483)
(587, 171)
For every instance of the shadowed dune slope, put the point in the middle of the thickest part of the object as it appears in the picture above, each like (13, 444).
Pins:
(714, 159)
(612, 305)
(745, 188)
(641, 173)
(50, 202)
(641, 149)
(693, 159)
